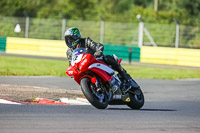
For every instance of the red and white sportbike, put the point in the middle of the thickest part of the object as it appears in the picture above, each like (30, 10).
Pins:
(96, 80)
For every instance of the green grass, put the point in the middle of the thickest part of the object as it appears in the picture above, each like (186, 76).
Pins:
(155, 72)
(20, 66)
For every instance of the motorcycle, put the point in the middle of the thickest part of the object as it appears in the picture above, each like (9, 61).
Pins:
(95, 78)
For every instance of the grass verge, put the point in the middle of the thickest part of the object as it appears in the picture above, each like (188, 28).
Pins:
(21, 66)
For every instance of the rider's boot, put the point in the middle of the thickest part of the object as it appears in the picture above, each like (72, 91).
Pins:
(129, 81)
(123, 73)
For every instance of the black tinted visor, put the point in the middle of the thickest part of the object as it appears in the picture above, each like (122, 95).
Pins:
(69, 40)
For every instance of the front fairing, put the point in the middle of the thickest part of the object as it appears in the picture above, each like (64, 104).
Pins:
(71, 71)
(78, 63)
(86, 61)
(77, 55)
(81, 61)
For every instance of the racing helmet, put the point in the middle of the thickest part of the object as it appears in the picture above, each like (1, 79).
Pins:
(72, 37)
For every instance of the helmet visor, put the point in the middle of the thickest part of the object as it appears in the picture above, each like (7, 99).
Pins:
(70, 41)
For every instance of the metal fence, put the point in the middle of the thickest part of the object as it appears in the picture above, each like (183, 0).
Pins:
(102, 31)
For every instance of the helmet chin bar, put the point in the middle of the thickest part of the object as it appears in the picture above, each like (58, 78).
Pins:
(71, 42)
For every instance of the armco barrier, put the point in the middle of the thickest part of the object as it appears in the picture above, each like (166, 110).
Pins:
(170, 56)
(38, 47)
(123, 52)
(2, 44)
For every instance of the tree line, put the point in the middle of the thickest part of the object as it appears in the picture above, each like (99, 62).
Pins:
(186, 11)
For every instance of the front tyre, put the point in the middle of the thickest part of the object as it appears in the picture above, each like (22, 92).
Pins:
(136, 99)
(97, 99)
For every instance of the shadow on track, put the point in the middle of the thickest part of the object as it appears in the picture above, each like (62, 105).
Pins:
(142, 109)
(158, 110)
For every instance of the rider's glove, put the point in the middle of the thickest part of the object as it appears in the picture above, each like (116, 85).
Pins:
(98, 53)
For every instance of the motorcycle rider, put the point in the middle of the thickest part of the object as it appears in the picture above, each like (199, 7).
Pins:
(73, 40)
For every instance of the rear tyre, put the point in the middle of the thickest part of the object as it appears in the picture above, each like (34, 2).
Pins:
(97, 99)
(136, 99)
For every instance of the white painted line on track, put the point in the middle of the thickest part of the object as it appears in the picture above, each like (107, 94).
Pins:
(77, 101)
(4, 101)
(190, 79)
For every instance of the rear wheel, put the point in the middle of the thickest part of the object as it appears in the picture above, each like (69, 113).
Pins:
(136, 99)
(98, 99)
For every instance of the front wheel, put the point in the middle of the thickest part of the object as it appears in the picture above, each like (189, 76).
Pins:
(136, 99)
(97, 99)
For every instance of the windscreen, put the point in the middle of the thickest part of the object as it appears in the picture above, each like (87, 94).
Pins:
(78, 51)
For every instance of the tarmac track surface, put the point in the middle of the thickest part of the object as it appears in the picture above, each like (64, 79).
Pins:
(171, 106)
